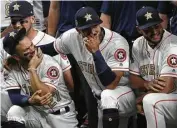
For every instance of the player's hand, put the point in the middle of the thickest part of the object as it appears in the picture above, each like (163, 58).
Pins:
(36, 59)
(37, 99)
(156, 85)
(140, 109)
(9, 63)
(92, 42)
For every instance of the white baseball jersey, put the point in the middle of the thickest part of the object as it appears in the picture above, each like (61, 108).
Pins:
(51, 74)
(151, 63)
(114, 49)
(5, 22)
(41, 39)
(3, 71)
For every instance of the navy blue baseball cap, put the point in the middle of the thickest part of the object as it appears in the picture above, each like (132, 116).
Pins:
(20, 9)
(12, 39)
(147, 17)
(86, 17)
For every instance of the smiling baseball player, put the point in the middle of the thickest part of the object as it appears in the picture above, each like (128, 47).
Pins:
(22, 17)
(103, 57)
(154, 70)
(31, 73)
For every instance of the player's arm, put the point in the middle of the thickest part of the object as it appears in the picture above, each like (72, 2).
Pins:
(60, 45)
(106, 20)
(69, 80)
(165, 19)
(53, 17)
(107, 77)
(165, 84)
(66, 68)
(45, 49)
(105, 17)
(168, 73)
(25, 100)
(137, 82)
(36, 83)
(164, 7)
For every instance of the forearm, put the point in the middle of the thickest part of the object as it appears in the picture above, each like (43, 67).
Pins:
(36, 84)
(18, 99)
(105, 74)
(53, 17)
(106, 21)
(164, 17)
(138, 83)
(45, 49)
(115, 83)
(69, 80)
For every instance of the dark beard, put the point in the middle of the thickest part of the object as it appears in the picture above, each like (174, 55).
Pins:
(153, 44)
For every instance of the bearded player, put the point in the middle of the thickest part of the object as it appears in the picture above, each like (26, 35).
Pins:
(154, 70)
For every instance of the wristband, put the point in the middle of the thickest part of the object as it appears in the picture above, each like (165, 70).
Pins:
(32, 69)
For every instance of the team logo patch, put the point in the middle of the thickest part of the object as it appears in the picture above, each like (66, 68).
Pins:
(120, 55)
(63, 56)
(53, 72)
(172, 61)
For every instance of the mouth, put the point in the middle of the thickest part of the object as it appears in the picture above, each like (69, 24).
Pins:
(30, 54)
(156, 37)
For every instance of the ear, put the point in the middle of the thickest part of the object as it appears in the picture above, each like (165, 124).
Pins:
(33, 19)
(139, 30)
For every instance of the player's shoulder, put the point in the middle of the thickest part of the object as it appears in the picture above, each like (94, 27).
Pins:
(42, 38)
(47, 58)
(48, 61)
(170, 38)
(70, 33)
(168, 41)
(139, 42)
(114, 37)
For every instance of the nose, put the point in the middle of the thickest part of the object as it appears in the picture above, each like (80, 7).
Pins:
(17, 26)
(155, 31)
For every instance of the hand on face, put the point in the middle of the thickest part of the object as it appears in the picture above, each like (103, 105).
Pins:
(36, 59)
(92, 42)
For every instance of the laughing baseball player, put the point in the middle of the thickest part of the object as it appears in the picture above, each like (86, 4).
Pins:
(22, 16)
(154, 70)
(36, 87)
(103, 57)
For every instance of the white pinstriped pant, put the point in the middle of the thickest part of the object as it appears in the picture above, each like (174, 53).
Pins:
(122, 98)
(160, 110)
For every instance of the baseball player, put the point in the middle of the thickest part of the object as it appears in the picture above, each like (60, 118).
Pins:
(37, 37)
(34, 76)
(103, 57)
(38, 12)
(154, 70)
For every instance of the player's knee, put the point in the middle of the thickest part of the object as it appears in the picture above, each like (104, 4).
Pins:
(110, 118)
(148, 100)
(16, 113)
(107, 100)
